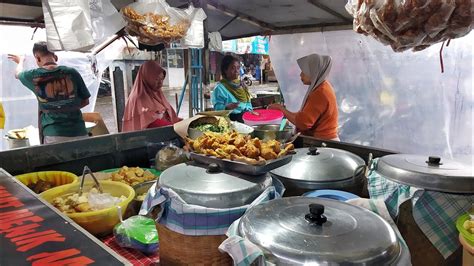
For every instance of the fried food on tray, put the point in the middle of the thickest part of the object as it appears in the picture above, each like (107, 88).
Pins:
(132, 175)
(233, 146)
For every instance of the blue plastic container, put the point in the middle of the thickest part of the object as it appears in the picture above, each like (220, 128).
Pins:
(331, 194)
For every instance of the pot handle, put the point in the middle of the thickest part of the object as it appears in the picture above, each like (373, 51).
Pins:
(316, 214)
(360, 169)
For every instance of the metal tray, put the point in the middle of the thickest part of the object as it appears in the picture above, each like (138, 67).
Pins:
(240, 167)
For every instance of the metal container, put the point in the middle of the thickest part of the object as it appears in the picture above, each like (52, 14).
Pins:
(241, 167)
(322, 168)
(315, 231)
(140, 189)
(431, 173)
(212, 187)
(272, 132)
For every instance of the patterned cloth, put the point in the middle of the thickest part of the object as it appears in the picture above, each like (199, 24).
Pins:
(244, 252)
(435, 213)
(187, 219)
(135, 257)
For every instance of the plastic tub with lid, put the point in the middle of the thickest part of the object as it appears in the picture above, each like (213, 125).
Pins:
(262, 117)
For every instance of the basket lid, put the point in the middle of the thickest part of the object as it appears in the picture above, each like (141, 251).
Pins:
(299, 230)
(209, 186)
(262, 115)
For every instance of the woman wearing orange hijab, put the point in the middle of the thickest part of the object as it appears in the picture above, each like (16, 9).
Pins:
(147, 106)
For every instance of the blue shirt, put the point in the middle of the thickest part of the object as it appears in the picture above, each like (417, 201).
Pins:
(221, 97)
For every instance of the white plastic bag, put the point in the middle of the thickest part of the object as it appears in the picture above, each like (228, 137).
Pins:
(106, 20)
(72, 24)
(195, 35)
(215, 41)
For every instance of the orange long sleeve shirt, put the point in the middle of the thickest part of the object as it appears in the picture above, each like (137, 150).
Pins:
(318, 118)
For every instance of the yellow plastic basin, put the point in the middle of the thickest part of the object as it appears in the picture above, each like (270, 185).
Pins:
(99, 222)
(56, 178)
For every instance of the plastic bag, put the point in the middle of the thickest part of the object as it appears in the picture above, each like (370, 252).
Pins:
(100, 201)
(155, 21)
(68, 25)
(215, 41)
(137, 232)
(168, 156)
(194, 37)
(106, 20)
(411, 24)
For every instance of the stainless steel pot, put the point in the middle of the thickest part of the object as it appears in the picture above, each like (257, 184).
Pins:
(272, 132)
(315, 231)
(431, 173)
(428, 172)
(211, 187)
(322, 168)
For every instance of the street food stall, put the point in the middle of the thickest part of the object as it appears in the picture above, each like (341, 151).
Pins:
(208, 191)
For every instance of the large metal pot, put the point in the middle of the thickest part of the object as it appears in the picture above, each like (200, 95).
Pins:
(211, 187)
(322, 168)
(315, 231)
(446, 177)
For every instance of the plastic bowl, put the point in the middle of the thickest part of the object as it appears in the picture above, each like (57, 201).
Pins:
(56, 178)
(99, 222)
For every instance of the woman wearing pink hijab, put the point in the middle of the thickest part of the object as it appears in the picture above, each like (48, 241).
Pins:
(147, 106)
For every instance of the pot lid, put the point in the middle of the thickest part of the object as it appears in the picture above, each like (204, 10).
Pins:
(320, 165)
(211, 187)
(299, 230)
(428, 172)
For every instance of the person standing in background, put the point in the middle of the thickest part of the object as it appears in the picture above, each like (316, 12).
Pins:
(229, 93)
(61, 93)
(318, 116)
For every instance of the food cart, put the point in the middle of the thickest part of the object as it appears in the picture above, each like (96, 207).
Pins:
(139, 148)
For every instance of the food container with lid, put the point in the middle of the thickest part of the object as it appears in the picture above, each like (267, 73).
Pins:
(316, 231)
(262, 116)
(199, 202)
(432, 193)
(209, 186)
(322, 168)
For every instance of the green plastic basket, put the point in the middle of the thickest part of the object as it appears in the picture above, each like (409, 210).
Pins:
(467, 235)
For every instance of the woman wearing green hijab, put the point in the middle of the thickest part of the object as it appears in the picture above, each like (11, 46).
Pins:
(229, 94)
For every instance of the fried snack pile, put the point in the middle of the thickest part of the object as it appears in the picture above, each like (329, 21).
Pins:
(152, 29)
(73, 203)
(235, 147)
(132, 175)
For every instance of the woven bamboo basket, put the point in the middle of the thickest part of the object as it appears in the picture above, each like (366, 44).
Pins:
(179, 249)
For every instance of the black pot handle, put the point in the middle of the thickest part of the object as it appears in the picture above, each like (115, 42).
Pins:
(213, 168)
(316, 214)
(359, 169)
(313, 151)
